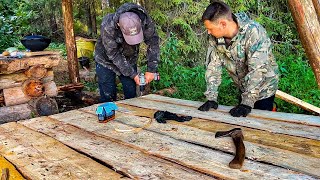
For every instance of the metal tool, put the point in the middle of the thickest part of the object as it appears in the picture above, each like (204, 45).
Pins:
(142, 80)
(106, 112)
(237, 138)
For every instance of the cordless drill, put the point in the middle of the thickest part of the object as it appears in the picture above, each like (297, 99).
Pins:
(142, 80)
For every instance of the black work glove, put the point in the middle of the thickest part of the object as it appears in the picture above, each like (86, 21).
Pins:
(162, 116)
(240, 110)
(207, 105)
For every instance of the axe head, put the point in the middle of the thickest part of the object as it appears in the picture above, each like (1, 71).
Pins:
(231, 133)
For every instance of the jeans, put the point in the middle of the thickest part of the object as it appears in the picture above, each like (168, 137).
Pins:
(108, 87)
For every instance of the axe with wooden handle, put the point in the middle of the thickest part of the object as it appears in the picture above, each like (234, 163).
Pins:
(237, 137)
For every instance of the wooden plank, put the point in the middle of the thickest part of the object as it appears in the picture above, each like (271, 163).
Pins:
(38, 156)
(271, 126)
(305, 146)
(14, 65)
(134, 163)
(279, 116)
(276, 156)
(298, 102)
(202, 159)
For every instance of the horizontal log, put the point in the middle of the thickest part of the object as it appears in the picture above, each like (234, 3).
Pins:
(71, 87)
(15, 80)
(15, 113)
(15, 96)
(276, 116)
(8, 66)
(50, 89)
(36, 72)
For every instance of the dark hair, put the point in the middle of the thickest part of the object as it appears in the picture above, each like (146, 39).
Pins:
(216, 10)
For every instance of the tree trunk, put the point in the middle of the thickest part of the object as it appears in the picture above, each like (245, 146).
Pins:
(70, 41)
(316, 4)
(306, 20)
(93, 19)
(88, 16)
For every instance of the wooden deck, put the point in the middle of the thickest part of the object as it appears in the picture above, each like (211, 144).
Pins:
(73, 145)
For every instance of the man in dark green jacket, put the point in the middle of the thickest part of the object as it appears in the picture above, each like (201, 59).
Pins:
(117, 50)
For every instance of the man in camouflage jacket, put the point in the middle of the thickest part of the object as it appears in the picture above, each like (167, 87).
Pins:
(244, 49)
(117, 50)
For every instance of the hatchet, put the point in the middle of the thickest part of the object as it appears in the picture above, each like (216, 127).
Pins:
(237, 137)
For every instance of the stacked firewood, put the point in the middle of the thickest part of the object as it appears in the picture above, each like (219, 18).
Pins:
(27, 87)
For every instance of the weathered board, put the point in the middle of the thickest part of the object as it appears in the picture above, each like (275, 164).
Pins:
(278, 145)
(11, 65)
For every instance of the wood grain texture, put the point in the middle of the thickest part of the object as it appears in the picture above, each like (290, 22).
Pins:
(267, 115)
(307, 22)
(41, 157)
(202, 159)
(250, 122)
(14, 65)
(134, 163)
(303, 162)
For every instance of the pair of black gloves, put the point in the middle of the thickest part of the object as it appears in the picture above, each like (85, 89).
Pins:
(162, 116)
(239, 110)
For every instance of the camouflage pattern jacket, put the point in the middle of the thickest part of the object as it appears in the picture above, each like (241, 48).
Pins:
(113, 52)
(248, 59)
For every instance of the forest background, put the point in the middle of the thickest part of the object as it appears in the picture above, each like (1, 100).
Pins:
(183, 41)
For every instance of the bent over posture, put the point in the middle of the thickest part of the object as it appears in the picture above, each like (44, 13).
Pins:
(117, 50)
(242, 46)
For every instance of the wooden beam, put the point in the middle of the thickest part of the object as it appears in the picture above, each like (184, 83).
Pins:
(307, 23)
(298, 102)
(70, 41)
(316, 4)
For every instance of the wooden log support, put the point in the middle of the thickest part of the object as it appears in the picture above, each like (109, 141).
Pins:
(8, 66)
(33, 88)
(307, 23)
(36, 72)
(316, 4)
(70, 41)
(17, 79)
(14, 96)
(15, 113)
(50, 89)
(71, 87)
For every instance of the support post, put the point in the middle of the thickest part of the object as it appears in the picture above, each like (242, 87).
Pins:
(70, 41)
(306, 20)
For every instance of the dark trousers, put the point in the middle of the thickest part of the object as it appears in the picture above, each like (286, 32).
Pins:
(265, 104)
(108, 87)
